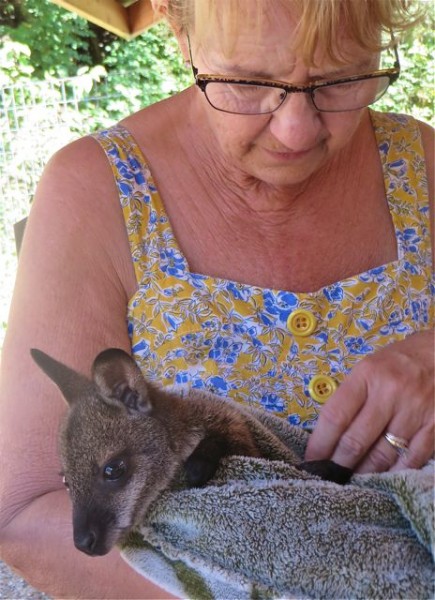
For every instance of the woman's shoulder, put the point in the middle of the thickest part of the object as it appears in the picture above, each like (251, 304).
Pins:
(403, 128)
(428, 140)
(394, 122)
(81, 159)
(77, 202)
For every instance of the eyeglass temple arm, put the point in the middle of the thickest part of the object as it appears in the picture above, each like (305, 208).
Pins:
(396, 51)
(194, 69)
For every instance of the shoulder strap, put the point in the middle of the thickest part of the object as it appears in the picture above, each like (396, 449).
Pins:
(405, 178)
(141, 204)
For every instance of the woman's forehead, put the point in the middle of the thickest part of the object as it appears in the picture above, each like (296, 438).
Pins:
(261, 52)
(328, 27)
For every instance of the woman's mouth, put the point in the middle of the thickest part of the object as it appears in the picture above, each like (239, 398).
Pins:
(288, 155)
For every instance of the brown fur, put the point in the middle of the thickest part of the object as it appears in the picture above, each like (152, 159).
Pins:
(124, 440)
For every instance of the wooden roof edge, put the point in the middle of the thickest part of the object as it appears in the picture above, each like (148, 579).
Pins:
(111, 15)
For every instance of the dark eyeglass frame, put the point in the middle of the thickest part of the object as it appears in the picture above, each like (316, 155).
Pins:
(203, 79)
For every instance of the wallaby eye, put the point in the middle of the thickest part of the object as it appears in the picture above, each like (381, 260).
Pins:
(114, 470)
(65, 483)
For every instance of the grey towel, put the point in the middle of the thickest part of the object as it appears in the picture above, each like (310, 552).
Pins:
(263, 529)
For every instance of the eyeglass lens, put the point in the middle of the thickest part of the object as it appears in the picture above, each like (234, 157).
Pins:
(254, 99)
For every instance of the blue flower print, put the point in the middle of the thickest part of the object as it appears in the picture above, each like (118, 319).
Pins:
(136, 169)
(376, 275)
(182, 377)
(153, 217)
(130, 328)
(279, 304)
(395, 324)
(420, 311)
(408, 239)
(334, 293)
(384, 148)
(141, 349)
(125, 171)
(197, 280)
(239, 292)
(294, 419)
(272, 402)
(217, 385)
(225, 351)
(410, 268)
(364, 324)
(125, 188)
(399, 178)
(251, 331)
(358, 345)
(172, 263)
(173, 322)
(198, 383)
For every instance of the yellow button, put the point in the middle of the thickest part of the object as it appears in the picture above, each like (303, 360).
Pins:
(321, 387)
(301, 322)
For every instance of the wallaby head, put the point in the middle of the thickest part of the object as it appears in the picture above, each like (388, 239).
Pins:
(115, 452)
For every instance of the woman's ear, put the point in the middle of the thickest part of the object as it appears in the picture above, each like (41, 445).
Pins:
(160, 7)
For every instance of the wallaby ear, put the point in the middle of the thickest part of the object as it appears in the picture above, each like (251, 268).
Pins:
(118, 377)
(73, 385)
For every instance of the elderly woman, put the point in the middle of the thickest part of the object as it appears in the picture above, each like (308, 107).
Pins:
(273, 246)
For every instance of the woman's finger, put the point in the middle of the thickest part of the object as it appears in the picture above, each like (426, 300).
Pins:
(365, 438)
(335, 417)
(407, 442)
(420, 450)
(383, 419)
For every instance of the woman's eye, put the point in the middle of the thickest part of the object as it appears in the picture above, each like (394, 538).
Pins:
(114, 470)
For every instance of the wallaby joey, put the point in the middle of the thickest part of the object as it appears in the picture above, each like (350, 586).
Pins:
(124, 440)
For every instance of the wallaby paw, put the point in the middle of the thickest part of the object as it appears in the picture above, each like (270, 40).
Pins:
(327, 470)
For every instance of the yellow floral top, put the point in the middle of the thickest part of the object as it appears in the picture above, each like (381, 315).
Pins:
(273, 348)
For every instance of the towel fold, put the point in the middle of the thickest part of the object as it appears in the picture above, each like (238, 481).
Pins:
(262, 529)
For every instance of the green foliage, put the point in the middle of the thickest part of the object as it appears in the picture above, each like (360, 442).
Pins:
(15, 62)
(143, 71)
(57, 39)
(414, 92)
(152, 60)
(50, 41)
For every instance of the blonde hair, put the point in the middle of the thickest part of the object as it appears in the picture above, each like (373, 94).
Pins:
(319, 21)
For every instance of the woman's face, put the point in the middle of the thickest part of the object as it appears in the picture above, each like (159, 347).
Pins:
(288, 146)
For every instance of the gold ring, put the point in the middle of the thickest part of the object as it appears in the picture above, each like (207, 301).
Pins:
(399, 444)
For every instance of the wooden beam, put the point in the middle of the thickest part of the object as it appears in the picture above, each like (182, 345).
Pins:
(104, 13)
(111, 15)
(141, 16)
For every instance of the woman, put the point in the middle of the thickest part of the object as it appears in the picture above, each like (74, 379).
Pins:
(273, 244)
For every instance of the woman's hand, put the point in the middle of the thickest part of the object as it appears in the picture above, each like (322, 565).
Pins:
(390, 391)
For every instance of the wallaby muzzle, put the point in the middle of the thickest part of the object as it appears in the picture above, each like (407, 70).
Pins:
(94, 530)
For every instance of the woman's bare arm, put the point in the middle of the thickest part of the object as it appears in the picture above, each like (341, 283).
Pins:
(74, 280)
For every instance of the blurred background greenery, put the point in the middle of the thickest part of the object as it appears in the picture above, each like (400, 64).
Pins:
(62, 76)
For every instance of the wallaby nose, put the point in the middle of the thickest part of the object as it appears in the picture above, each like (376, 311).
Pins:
(93, 529)
(86, 541)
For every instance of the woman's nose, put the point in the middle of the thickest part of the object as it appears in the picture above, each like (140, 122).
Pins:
(296, 123)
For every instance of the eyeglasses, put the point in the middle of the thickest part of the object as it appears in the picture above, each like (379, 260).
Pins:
(255, 96)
